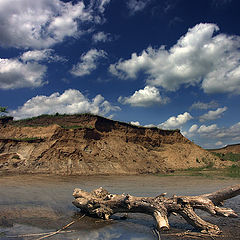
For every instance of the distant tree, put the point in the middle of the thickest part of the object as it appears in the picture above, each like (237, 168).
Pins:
(3, 110)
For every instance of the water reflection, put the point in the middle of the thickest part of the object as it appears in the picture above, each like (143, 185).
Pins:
(40, 204)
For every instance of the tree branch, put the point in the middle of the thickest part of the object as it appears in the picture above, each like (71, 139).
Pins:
(100, 203)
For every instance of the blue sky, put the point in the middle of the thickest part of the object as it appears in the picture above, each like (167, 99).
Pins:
(170, 63)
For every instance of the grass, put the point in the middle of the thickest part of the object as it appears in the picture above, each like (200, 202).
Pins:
(32, 139)
(57, 115)
(34, 121)
(234, 157)
(38, 121)
(76, 127)
(16, 157)
(233, 171)
(32, 126)
(208, 171)
(72, 127)
(3, 117)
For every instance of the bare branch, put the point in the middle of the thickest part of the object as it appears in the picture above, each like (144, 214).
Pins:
(100, 203)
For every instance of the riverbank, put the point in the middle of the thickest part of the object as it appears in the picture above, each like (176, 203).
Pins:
(233, 171)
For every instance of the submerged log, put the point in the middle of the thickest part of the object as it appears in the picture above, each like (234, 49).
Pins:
(100, 203)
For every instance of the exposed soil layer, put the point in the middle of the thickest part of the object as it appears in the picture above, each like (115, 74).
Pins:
(87, 145)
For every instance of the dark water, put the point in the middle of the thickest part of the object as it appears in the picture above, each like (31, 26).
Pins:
(41, 204)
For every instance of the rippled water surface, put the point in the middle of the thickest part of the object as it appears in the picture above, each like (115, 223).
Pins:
(42, 204)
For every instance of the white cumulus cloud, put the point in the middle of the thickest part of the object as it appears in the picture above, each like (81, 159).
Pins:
(43, 23)
(231, 132)
(193, 128)
(150, 125)
(219, 143)
(26, 70)
(17, 74)
(101, 4)
(176, 122)
(214, 134)
(207, 129)
(135, 123)
(88, 62)
(144, 98)
(101, 37)
(202, 105)
(200, 57)
(137, 5)
(70, 102)
(41, 55)
(212, 115)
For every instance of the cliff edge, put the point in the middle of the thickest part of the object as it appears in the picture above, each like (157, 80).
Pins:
(86, 144)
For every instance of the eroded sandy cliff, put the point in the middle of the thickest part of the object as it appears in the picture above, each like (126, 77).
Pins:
(87, 144)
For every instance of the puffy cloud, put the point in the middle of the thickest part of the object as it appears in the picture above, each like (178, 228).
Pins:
(200, 57)
(212, 115)
(236, 139)
(202, 105)
(101, 37)
(135, 123)
(43, 23)
(193, 128)
(175, 122)
(70, 102)
(16, 74)
(191, 131)
(216, 136)
(207, 129)
(130, 68)
(150, 126)
(184, 133)
(88, 63)
(231, 132)
(214, 132)
(25, 71)
(101, 4)
(219, 143)
(137, 5)
(144, 98)
(41, 55)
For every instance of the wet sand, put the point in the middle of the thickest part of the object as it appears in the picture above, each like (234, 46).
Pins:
(37, 204)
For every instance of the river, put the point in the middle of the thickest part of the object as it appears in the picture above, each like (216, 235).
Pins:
(31, 204)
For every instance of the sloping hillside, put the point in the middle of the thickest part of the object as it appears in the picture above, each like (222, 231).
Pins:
(228, 153)
(233, 148)
(86, 144)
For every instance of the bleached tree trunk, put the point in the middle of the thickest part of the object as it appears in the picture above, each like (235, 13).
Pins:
(100, 203)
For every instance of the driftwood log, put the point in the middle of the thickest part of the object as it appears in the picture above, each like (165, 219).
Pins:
(100, 203)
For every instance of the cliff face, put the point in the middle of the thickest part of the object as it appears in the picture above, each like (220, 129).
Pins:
(87, 144)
